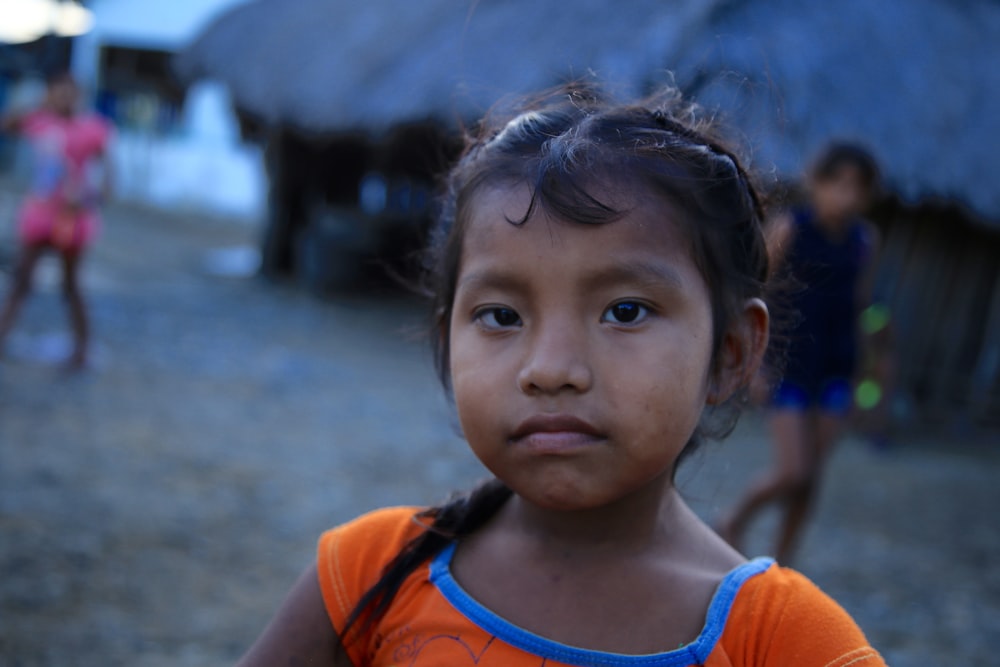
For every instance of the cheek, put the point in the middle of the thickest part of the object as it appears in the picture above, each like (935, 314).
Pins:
(688, 355)
(475, 382)
(664, 382)
(697, 370)
(465, 361)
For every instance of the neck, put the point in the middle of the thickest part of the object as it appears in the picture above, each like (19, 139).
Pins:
(833, 225)
(640, 520)
(62, 112)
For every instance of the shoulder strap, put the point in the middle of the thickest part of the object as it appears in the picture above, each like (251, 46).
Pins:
(780, 617)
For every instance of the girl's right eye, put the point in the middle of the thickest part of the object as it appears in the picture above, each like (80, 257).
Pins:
(498, 317)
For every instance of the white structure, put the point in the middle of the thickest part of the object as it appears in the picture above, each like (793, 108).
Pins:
(202, 165)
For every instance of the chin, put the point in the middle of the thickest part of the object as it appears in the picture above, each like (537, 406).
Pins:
(564, 500)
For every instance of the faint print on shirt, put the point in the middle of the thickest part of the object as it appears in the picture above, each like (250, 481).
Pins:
(411, 646)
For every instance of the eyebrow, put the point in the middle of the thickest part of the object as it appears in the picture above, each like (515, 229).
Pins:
(634, 272)
(492, 279)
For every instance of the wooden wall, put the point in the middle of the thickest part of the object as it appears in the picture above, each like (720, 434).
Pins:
(940, 275)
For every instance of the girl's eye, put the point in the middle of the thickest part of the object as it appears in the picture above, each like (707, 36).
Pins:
(625, 312)
(498, 318)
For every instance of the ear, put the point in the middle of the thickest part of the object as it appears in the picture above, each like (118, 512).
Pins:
(742, 352)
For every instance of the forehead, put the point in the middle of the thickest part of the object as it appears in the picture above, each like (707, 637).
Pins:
(497, 232)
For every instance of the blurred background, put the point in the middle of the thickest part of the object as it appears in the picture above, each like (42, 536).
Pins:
(258, 375)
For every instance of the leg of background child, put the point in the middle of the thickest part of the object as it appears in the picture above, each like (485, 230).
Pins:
(75, 305)
(799, 485)
(20, 287)
(798, 501)
(829, 427)
(823, 429)
(788, 435)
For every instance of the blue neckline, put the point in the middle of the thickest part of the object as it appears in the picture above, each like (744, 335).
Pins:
(693, 653)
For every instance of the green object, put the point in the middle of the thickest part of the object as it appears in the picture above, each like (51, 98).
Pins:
(868, 394)
(874, 318)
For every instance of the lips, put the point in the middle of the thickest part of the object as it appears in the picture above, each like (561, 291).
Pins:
(555, 434)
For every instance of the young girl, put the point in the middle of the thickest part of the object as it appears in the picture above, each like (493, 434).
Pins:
(827, 248)
(60, 211)
(597, 275)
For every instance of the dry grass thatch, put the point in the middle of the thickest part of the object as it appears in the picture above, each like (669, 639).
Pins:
(915, 79)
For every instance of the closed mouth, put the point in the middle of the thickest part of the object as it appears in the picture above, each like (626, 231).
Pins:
(566, 426)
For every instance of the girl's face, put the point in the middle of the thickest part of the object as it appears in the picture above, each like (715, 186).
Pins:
(580, 354)
(841, 196)
(62, 96)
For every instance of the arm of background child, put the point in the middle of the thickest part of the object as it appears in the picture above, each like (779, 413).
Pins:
(777, 236)
(11, 123)
(300, 634)
(869, 266)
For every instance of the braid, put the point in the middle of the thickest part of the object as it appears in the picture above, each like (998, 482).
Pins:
(460, 516)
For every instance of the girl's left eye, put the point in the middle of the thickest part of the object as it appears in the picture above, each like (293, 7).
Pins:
(625, 312)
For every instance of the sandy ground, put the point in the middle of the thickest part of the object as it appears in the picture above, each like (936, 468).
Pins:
(154, 510)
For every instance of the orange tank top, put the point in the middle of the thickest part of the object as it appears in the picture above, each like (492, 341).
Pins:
(761, 614)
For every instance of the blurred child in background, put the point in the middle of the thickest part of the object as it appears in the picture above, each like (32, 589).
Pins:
(60, 212)
(826, 249)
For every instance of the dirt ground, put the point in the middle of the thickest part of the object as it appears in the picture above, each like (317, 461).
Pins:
(154, 510)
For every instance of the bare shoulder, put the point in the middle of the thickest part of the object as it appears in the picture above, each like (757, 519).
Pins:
(300, 633)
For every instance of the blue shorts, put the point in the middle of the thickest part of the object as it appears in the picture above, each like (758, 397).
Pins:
(833, 395)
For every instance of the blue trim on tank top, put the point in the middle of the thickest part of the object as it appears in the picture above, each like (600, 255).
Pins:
(694, 653)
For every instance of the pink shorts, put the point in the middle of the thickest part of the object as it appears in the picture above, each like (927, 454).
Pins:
(45, 222)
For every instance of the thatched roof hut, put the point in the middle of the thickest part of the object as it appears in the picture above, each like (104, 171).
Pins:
(915, 79)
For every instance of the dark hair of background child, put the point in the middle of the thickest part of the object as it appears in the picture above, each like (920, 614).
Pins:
(842, 154)
(566, 145)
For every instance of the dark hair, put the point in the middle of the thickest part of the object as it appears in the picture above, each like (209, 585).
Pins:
(562, 146)
(839, 155)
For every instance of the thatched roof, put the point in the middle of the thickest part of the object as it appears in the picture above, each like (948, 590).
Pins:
(915, 79)
(335, 64)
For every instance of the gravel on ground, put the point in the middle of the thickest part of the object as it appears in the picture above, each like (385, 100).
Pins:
(155, 509)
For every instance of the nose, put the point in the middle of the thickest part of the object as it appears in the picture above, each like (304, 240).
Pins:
(556, 361)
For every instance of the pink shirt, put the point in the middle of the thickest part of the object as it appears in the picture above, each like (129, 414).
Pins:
(65, 188)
